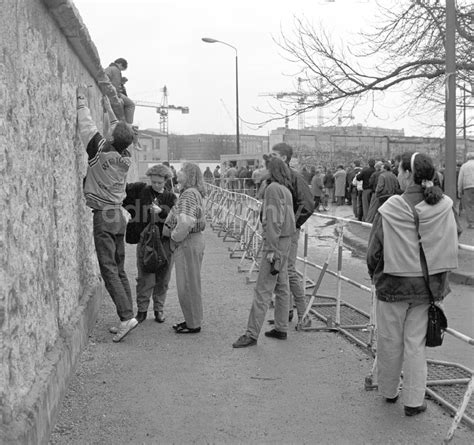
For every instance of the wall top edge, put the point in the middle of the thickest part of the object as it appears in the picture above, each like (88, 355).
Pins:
(70, 22)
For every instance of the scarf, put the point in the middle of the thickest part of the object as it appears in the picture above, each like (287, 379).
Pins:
(438, 236)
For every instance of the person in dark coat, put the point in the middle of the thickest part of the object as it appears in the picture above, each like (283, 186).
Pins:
(141, 200)
(329, 185)
(364, 176)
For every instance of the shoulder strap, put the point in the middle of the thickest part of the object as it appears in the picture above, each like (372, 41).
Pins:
(424, 264)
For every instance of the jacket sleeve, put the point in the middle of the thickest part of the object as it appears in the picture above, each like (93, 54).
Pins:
(170, 201)
(115, 77)
(380, 186)
(90, 136)
(460, 180)
(303, 206)
(375, 246)
(273, 219)
(133, 191)
(185, 215)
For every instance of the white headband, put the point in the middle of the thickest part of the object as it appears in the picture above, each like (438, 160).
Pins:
(412, 162)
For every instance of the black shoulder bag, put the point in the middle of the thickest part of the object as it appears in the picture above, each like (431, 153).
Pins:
(437, 321)
(153, 253)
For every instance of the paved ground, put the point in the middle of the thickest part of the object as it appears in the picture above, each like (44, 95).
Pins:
(159, 387)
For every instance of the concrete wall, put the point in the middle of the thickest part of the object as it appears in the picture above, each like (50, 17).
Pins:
(49, 279)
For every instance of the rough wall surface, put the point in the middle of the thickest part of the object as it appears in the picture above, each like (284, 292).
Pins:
(48, 263)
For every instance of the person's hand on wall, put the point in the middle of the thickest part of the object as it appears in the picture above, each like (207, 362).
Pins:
(81, 95)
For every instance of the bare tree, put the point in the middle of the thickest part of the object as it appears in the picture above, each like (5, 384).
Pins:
(403, 52)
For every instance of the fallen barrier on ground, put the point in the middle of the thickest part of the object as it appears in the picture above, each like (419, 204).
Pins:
(235, 216)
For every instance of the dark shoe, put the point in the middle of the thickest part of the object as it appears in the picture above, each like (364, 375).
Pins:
(159, 317)
(414, 410)
(244, 341)
(141, 316)
(185, 330)
(276, 334)
(179, 325)
(392, 399)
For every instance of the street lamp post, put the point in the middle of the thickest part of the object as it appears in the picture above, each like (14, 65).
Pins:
(237, 119)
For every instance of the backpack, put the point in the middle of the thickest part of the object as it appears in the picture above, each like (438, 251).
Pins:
(154, 256)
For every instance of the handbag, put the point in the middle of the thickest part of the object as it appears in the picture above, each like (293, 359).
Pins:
(437, 321)
(154, 255)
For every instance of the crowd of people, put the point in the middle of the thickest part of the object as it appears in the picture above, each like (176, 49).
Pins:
(391, 195)
(364, 188)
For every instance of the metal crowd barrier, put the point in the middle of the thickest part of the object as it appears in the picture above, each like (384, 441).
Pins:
(238, 185)
(238, 214)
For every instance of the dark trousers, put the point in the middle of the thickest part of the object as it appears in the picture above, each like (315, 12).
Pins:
(317, 201)
(153, 285)
(360, 210)
(354, 202)
(109, 232)
(366, 196)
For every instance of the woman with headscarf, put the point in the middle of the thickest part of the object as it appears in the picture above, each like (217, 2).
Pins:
(278, 223)
(185, 224)
(393, 260)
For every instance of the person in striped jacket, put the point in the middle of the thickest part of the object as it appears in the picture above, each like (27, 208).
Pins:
(104, 190)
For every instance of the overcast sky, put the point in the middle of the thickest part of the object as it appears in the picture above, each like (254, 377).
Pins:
(161, 40)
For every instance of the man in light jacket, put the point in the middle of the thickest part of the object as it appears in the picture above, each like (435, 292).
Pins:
(104, 190)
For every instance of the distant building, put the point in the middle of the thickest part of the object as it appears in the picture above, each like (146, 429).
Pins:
(330, 146)
(195, 147)
(154, 146)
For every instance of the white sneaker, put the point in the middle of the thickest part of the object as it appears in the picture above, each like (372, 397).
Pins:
(124, 328)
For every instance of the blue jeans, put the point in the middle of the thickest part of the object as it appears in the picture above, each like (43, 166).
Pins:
(109, 232)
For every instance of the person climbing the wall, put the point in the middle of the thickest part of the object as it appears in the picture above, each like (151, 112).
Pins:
(104, 190)
(114, 73)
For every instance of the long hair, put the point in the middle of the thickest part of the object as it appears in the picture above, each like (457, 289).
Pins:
(193, 178)
(422, 168)
(279, 172)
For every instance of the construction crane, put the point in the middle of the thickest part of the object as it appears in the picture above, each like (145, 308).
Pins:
(301, 102)
(162, 109)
